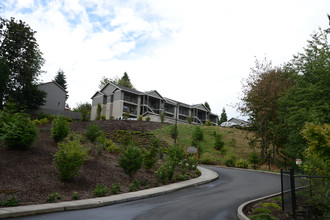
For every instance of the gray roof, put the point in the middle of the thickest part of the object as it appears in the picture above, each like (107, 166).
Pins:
(41, 84)
(124, 88)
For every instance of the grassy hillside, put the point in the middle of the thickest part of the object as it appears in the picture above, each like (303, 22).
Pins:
(236, 142)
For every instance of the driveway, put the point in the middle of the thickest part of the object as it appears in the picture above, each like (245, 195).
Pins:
(216, 200)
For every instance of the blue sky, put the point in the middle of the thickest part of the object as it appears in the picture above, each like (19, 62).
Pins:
(191, 51)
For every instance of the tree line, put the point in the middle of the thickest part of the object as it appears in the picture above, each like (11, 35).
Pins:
(280, 100)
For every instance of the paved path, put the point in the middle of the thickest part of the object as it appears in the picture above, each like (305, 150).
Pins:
(216, 200)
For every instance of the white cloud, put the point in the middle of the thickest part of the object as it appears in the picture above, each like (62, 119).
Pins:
(192, 51)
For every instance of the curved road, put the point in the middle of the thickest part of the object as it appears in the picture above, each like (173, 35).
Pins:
(216, 200)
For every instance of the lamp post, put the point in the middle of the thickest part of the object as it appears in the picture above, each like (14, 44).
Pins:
(176, 123)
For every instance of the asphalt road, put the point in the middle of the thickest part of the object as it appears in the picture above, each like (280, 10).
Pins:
(216, 200)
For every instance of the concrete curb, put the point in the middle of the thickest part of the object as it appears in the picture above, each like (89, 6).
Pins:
(240, 214)
(206, 177)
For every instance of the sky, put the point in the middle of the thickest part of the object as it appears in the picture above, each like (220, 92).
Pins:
(191, 51)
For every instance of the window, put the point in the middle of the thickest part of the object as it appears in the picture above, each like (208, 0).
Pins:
(58, 104)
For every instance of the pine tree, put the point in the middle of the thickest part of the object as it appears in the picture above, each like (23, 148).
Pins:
(61, 80)
(223, 117)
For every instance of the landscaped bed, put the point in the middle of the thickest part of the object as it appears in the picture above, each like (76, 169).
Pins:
(32, 177)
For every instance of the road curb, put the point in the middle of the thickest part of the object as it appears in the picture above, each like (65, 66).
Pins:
(206, 177)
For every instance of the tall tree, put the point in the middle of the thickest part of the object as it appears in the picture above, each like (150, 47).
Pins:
(22, 60)
(207, 105)
(125, 81)
(309, 99)
(261, 93)
(60, 79)
(223, 117)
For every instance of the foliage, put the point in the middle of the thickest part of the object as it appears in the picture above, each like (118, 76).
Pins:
(93, 131)
(147, 118)
(123, 81)
(174, 132)
(230, 161)
(60, 129)
(207, 105)
(61, 80)
(192, 162)
(175, 154)
(53, 197)
(98, 111)
(17, 131)
(165, 172)
(270, 204)
(318, 151)
(103, 117)
(131, 160)
(197, 134)
(261, 93)
(208, 123)
(69, 158)
(262, 210)
(110, 146)
(162, 116)
(75, 196)
(12, 201)
(254, 159)
(140, 118)
(218, 142)
(115, 188)
(85, 109)
(134, 186)
(189, 119)
(262, 216)
(241, 163)
(223, 117)
(100, 190)
(20, 64)
(149, 159)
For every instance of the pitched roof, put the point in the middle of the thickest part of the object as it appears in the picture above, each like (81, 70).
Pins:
(155, 94)
(41, 84)
(201, 107)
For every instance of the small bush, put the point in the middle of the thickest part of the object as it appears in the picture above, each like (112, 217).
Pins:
(147, 118)
(192, 162)
(103, 117)
(197, 134)
(254, 159)
(162, 116)
(230, 161)
(175, 154)
(75, 196)
(241, 163)
(189, 119)
(69, 159)
(113, 148)
(140, 118)
(17, 131)
(134, 186)
(218, 142)
(93, 132)
(208, 123)
(60, 129)
(115, 188)
(131, 160)
(53, 197)
(98, 111)
(149, 159)
(13, 201)
(174, 132)
(100, 190)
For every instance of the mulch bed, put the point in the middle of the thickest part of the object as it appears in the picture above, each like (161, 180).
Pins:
(31, 175)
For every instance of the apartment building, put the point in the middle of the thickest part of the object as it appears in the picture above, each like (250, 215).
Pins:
(117, 100)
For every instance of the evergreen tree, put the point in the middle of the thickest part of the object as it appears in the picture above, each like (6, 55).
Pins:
(207, 106)
(61, 80)
(223, 117)
(125, 81)
(21, 62)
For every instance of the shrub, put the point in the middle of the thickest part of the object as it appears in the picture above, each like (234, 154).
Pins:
(140, 118)
(149, 159)
(131, 160)
(70, 158)
(208, 123)
(103, 117)
(98, 111)
(112, 147)
(230, 161)
(162, 116)
(13, 201)
(175, 154)
(262, 216)
(17, 131)
(115, 188)
(147, 118)
(254, 159)
(192, 162)
(174, 132)
(134, 186)
(218, 142)
(162, 174)
(262, 210)
(93, 131)
(241, 163)
(60, 129)
(189, 119)
(100, 190)
(53, 197)
(75, 196)
(197, 134)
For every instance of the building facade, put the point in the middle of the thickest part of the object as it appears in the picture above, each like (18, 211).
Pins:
(56, 96)
(117, 101)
